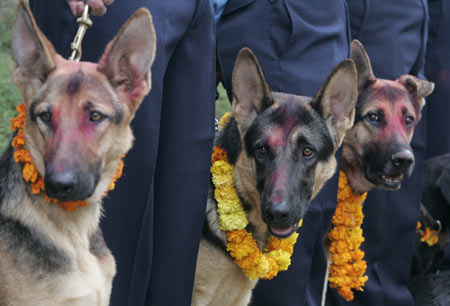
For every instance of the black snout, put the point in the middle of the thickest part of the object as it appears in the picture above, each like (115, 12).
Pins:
(69, 185)
(403, 160)
(60, 184)
(277, 213)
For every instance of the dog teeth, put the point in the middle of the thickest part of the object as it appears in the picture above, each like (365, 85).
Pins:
(392, 179)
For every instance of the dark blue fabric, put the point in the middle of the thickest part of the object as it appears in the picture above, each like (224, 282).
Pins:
(438, 71)
(153, 218)
(297, 43)
(394, 35)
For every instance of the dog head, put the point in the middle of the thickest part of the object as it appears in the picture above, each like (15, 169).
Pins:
(288, 142)
(78, 114)
(377, 151)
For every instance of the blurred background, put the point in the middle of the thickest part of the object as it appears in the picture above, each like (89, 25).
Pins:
(9, 96)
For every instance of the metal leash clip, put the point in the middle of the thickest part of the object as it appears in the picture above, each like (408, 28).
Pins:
(85, 23)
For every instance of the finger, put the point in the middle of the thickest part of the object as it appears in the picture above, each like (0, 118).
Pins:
(76, 6)
(97, 7)
(108, 2)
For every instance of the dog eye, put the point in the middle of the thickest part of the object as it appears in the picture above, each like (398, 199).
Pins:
(409, 121)
(96, 116)
(262, 150)
(372, 117)
(45, 116)
(308, 152)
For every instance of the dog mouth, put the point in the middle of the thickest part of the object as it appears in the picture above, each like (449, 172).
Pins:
(282, 231)
(390, 182)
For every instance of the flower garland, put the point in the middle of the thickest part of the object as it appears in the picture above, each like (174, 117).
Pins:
(347, 264)
(232, 220)
(428, 236)
(29, 171)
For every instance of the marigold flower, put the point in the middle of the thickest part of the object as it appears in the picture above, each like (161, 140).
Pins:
(347, 265)
(218, 154)
(38, 186)
(225, 119)
(273, 268)
(22, 156)
(281, 257)
(429, 236)
(30, 173)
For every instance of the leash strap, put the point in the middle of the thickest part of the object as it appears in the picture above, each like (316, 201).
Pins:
(84, 23)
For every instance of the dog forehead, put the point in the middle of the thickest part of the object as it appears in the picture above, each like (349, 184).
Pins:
(291, 110)
(386, 94)
(290, 118)
(76, 82)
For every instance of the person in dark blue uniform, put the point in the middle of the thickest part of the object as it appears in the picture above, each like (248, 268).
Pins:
(153, 219)
(297, 43)
(432, 287)
(394, 34)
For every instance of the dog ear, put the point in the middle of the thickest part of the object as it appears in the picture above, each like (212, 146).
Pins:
(417, 87)
(128, 58)
(335, 100)
(251, 94)
(34, 55)
(363, 67)
(443, 184)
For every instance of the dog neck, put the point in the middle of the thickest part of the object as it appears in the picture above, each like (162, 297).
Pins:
(354, 169)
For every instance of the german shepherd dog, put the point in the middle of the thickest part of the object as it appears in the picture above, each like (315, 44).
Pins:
(77, 129)
(282, 147)
(376, 150)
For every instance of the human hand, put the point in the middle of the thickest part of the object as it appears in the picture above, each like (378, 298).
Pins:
(98, 7)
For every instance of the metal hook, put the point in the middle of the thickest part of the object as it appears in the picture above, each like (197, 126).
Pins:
(84, 23)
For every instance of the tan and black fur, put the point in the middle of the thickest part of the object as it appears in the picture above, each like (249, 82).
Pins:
(77, 129)
(376, 150)
(282, 147)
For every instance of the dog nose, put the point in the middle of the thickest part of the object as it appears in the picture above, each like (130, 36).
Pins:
(278, 213)
(403, 159)
(60, 184)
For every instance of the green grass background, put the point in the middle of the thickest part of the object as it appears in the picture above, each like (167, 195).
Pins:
(9, 95)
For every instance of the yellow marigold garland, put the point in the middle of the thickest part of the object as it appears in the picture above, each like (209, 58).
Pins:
(347, 262)
(232, 219)
(428, 236)
(29, 170)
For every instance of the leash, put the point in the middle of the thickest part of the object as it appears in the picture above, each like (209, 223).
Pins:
(84, 23)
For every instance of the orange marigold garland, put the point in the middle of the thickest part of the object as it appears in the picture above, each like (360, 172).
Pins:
(233, 221)
(347, 262)
(29, 171)
(427, 235)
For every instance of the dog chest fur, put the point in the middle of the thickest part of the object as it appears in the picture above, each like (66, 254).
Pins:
(51, 264)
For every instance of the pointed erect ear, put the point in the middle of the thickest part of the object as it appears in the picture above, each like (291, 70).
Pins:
(128, 57)
(33, 53)
(363, 67)
(336, 99)
(251, 94)
(417, 87)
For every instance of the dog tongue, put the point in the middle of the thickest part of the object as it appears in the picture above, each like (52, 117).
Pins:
(281, 230)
